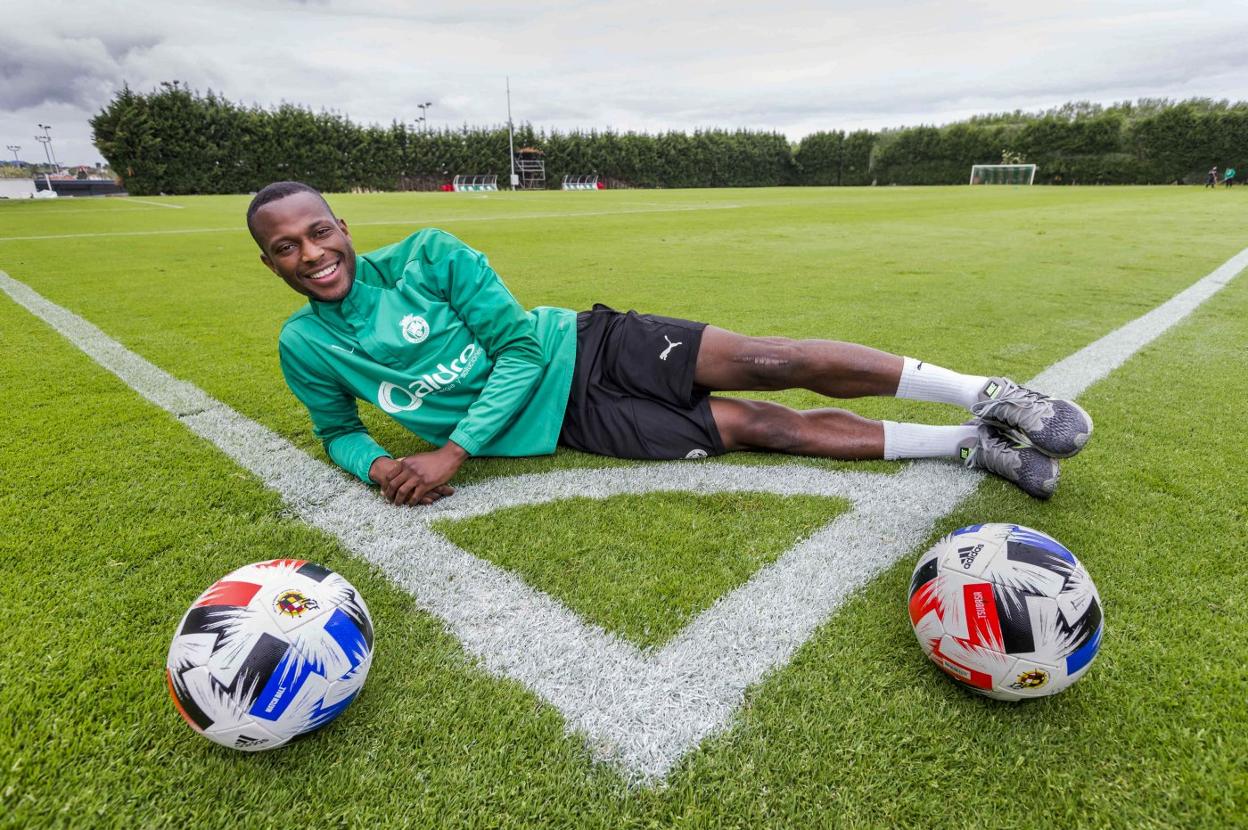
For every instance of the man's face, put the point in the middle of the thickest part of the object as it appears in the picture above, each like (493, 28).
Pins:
(306, 246)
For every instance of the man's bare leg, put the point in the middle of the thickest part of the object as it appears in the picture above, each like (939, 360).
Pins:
(847, 370)
(835, 433)
(734, 362)
(771, 427)
(728, 361)
(830, 433)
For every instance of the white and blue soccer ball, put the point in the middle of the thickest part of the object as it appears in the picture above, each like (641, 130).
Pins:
(1006, 611)
(270, 651)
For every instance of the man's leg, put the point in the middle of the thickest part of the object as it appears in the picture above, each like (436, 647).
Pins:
(733, 362)
(829, 433)
(835, 433)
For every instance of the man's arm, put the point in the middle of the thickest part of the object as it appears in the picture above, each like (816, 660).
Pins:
(335, 417)
(462, 276)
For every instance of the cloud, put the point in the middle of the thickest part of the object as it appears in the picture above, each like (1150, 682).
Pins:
(64, 70)
(788, 66)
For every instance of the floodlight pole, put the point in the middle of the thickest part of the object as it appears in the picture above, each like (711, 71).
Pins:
(511, 136)
(46, 141)
(13, 148)
(424, 114)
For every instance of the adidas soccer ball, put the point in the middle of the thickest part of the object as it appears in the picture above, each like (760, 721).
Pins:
(1006, 611)
(270, 651)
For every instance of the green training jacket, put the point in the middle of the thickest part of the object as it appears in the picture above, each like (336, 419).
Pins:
(430, 335)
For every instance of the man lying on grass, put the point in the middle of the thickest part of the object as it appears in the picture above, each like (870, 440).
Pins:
(425, 330)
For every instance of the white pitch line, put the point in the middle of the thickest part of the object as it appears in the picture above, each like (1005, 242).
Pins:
(640, 709)
(157, 204)
(448, 220)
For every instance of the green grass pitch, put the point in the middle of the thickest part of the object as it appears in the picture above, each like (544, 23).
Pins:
(113, 517)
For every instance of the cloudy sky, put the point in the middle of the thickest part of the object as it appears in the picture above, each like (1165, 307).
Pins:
(795, 67)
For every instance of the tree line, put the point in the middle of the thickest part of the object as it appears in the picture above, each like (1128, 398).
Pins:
(176, 140)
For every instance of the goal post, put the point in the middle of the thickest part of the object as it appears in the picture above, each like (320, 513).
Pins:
(1003, 173)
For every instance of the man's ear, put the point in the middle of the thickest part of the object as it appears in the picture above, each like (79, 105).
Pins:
(342, 223)
(268, 262)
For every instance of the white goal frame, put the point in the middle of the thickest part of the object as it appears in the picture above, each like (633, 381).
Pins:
(977, 178)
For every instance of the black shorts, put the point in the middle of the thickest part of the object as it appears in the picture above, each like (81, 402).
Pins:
(633, 394)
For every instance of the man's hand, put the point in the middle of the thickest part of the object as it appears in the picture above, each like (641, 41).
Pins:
(418, 479)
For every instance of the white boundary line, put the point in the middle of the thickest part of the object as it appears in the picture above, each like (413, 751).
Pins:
(447, 220)
(157, 204)
(642, 710)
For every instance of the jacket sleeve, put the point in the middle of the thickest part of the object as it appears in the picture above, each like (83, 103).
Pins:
(335, 418)
(463, 277)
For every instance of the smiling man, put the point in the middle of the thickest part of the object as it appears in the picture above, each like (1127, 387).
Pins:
(426, 331)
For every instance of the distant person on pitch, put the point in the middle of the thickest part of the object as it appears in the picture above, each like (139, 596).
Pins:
(1212, 179)
(1228, 177)
(426, 331)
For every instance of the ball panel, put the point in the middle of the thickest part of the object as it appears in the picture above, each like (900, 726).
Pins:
(247, 736)
(350, 639)
(285, 684)
(353, 606)
(326, 711)
(1032, 679)
(1079, 659)
(1030, 569)
(1017, 610)
(977, 668)
(926, 601)
(1043, 541)
(970, 553)
(924, 572)
(215, 620)
(294, 602)
(983, 626)
(313, 571)
(228, 592)
(185, 704)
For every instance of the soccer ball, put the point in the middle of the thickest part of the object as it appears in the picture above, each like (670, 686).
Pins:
(270, 651)
(1006, 611)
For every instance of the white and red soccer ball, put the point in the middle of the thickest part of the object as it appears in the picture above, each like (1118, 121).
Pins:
(1006, 611)
(268, 652)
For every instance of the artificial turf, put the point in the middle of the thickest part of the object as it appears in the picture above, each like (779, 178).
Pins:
(115, 517)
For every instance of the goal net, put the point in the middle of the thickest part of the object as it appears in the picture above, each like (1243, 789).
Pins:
(1003, 173)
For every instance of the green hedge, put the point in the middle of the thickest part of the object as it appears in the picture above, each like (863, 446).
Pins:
(175, 140)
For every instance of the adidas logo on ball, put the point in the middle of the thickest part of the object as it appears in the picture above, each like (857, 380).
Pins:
(967, 556)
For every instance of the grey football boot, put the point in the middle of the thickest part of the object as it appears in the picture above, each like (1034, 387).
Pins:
(1054, 426)
(1034, 472)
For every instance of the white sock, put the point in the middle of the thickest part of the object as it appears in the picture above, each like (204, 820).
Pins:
(923, 441)
(928, 382)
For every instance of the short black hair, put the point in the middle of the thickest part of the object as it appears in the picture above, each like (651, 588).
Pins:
(273, 192)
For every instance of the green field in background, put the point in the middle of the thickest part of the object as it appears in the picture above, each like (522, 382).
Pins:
(114, 517)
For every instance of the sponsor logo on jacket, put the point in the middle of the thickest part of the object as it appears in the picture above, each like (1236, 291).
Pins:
(414, 329)
(393, 398)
